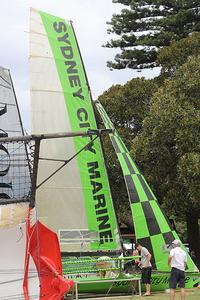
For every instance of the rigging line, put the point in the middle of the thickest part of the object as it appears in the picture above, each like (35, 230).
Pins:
(9, 104)
(16, 297)
(67, 161)
(5, 80)
(52, 159)
(5, 272)
(38, 246)
(9, 130)
(22, 234)
(14, 150)
(15, 280)
(18, 155)
(14, 165)
(6, 87)
(47, 91)
(28, 242)
(109, 288)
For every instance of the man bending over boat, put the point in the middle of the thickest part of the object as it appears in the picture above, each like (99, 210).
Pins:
(105, 263)
(146, 267)
(177, 261)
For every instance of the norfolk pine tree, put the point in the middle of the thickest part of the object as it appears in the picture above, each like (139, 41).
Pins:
(144, 26)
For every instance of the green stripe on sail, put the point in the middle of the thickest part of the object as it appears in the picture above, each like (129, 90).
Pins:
(138, 215)
(95, 186)
(152, 196)
(159, 251)
(141, 192)
(123, 164)
(152, 228)
(133, 165)
(164, 226)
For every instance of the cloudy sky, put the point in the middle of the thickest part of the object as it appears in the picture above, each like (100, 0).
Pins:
(89, 19)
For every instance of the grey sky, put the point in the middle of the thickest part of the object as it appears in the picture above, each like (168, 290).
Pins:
(89, 18)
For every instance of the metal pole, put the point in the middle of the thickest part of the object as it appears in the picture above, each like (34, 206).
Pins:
(139, 284)
(35, 171)
(28, 138)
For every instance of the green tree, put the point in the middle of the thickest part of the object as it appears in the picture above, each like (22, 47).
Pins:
(144, 26)
(173, 56)
(168, 148)
(127, 105)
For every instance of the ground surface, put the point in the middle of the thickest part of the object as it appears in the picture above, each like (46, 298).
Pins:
(192, 294)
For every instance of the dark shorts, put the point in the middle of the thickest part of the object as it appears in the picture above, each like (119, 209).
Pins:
(136, 269)
(177, 277)
(146, 275)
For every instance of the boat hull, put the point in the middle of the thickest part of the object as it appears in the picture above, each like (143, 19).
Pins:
(160, 282)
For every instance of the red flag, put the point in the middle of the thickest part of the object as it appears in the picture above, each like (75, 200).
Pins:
(43, 246)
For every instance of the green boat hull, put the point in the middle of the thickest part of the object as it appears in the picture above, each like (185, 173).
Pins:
(160, 282)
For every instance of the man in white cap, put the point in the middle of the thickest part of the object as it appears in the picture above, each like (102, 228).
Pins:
(177, 261)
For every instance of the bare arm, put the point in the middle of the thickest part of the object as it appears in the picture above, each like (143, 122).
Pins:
(169, 261)
(149, 257)
(185, 264)
(148, 260)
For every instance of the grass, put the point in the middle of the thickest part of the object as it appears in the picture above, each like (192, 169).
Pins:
(192, 294)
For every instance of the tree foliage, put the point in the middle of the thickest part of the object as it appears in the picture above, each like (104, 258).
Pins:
(145, 26)
(173, 56)
(168, 148)
(170, 139)
(128, 104)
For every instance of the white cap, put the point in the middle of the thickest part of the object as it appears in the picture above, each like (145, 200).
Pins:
(176, 242)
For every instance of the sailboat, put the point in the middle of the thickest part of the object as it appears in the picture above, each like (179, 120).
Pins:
(29, 269)
(73, 197)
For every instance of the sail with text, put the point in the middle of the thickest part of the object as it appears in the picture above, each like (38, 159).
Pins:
(25, 272)
(152, 227)
(76, 201)
(14, 169)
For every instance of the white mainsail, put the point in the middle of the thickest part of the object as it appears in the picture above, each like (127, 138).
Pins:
(75, 202)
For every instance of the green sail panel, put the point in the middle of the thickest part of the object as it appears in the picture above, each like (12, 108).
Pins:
(152, 227)
(65, 78)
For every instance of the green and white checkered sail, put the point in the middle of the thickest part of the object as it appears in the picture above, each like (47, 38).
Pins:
(152, 228)
(76, 202)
